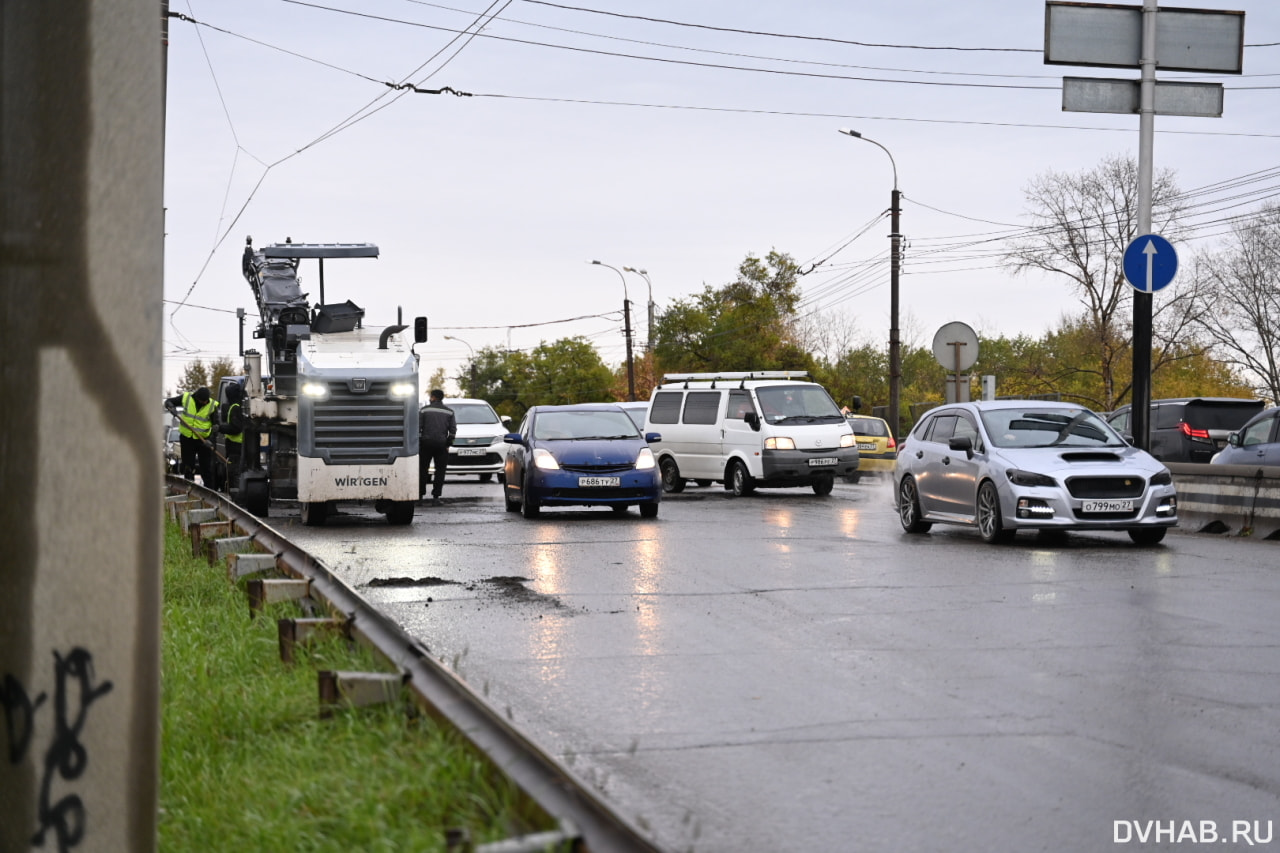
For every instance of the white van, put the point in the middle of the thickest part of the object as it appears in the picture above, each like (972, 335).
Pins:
(770, 429)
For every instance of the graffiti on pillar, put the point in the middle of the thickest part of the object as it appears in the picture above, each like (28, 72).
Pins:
(65, 757)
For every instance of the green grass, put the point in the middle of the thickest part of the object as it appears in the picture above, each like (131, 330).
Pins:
(247, 764)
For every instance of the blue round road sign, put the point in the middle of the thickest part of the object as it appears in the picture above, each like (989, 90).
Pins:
(1150, 263)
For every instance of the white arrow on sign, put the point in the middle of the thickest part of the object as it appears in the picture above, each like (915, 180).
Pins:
(1150, 251)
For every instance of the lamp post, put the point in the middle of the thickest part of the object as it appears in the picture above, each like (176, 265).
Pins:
(626, 331)
(471, 389)
(644, 274)
(895, 265)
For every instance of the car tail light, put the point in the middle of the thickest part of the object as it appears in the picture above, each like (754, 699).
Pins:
(893, 445)
(1189, 431)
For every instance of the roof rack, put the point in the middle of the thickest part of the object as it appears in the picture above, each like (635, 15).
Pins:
(735, 374)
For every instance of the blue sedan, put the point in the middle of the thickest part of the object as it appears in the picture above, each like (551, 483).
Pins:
(583, 455)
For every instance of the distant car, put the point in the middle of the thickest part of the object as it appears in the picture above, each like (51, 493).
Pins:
(172, 450)
(589, 454)
(637, 410)
(1009, 465)
(1189, 429)
(478, 447)
(1255, 443)
(876, 447)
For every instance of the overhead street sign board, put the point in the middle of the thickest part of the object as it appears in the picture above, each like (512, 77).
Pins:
(1150, 263)
(1104, 95)
(1110, 36)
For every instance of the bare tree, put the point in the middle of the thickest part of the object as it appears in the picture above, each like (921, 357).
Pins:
(1081, 225)
(1239, 287)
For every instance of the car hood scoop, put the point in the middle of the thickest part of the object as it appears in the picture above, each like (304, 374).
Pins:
(1090, 456)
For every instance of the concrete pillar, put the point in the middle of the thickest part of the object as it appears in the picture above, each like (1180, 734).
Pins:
(81, 267)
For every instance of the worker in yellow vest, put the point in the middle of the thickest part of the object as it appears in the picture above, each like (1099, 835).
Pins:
(197, 414)
(233, 426)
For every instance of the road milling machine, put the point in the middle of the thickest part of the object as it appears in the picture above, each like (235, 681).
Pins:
(332, 405)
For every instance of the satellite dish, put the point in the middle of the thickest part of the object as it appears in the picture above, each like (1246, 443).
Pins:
(955, 346)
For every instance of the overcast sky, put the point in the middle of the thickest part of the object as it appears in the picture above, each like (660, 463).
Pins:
(672, 137)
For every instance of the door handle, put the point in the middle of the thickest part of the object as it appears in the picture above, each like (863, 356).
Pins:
(946, 460)
(919, 454)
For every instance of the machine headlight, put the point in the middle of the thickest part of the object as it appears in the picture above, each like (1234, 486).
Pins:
(779, 443)
(543, 460)
(848, 440)
(645, 460)
(1164, 478)
(401, 390)
(315, 390)
(1029, 478)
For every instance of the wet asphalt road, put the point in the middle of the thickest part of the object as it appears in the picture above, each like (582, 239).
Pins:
(788, 672)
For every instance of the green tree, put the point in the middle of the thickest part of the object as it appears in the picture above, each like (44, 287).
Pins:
(194, 375)
(565, 371)
(220, 367)
(748, 324)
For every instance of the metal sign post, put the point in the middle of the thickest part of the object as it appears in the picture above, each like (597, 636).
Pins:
(1111, 36)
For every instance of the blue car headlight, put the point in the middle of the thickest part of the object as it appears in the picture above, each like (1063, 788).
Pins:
(1029, 478)
(645, 460)
(543, 460)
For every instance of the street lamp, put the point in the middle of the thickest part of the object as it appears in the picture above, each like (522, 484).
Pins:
(626, 330)
(645, 275)
(895, 265)
(471, 390)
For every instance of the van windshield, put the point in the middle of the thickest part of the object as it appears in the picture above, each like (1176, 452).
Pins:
(808, 403)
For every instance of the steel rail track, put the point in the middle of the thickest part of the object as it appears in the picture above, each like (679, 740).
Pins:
(585, 822)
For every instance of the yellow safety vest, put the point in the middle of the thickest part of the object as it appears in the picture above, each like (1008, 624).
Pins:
(238, 437)
(196, 423)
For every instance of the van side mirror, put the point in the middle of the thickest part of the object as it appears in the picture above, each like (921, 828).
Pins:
(752, 420)
(420, 330)
(857, 403)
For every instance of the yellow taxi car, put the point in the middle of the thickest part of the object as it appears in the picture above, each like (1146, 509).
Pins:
(876, 448)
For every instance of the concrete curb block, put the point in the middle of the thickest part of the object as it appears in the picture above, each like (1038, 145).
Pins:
(1243, 500)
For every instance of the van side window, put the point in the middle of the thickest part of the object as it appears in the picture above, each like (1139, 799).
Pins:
(665, 408)
(1167, 416)
(702, 407)
(739, 405)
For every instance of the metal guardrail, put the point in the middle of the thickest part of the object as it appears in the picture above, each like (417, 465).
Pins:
(1243, 500)
(585, 823)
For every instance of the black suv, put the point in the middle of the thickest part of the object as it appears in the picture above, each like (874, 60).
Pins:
(1190, 429)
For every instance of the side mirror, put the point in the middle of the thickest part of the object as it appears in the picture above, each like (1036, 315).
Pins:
(420, 330)
(752, 420)
(857, 403)
(652, 437)
(1234, 439)
(506, 419)
(513, 438)
(962, 442)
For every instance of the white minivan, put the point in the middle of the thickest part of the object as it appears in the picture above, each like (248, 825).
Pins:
(748, 430)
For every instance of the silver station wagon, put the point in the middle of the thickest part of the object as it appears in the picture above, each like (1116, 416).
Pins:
(1009, 465)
